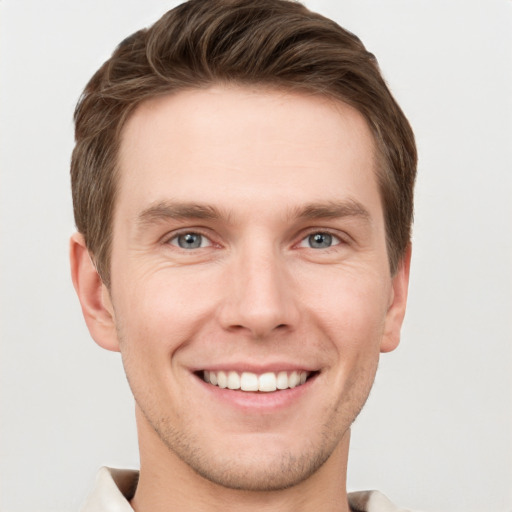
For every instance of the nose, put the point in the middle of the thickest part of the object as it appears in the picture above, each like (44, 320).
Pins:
(259, 296)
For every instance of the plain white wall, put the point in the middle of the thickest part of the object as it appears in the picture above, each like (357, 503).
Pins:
(436, 434)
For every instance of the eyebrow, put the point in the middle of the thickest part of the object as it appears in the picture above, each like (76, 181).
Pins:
(163, 210)
(332, 210)
(177, 211)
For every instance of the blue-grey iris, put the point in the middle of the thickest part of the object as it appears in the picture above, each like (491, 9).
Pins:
(190, 240)
(320, 240)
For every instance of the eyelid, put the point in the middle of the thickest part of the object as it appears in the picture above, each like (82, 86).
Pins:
(337, 240)
(169, 237)
(341, 240)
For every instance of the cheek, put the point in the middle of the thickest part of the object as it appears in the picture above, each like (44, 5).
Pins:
(351, 307)
(163, 311)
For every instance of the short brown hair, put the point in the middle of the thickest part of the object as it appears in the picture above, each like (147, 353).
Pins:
(276, 43)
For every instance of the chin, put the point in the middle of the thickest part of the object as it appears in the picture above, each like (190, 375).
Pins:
(246, 473)
(263, 465)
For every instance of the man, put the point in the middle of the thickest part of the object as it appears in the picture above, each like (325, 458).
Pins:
(242, 184)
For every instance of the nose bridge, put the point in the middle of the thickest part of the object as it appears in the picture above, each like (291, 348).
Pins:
(259, 297)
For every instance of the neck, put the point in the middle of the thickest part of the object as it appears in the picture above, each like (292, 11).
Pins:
(167, 483)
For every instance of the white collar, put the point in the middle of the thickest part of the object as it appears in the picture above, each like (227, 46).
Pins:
(115, 487)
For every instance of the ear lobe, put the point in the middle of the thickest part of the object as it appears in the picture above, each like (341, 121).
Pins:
(93, 295)
(396, 311)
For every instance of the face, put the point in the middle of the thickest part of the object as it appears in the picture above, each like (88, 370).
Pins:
(251, 291)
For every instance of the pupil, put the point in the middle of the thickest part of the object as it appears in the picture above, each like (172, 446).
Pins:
(189, 241)
(320, 240)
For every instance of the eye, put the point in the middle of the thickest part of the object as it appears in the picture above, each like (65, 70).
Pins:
(320, 240)
(190, 241)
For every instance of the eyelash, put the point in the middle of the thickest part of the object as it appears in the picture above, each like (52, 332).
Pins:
(336, 239)
(176, 236)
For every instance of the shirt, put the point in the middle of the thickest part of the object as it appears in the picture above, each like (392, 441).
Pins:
(115, 487)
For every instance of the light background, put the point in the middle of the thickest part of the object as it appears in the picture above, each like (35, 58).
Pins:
(436, 434)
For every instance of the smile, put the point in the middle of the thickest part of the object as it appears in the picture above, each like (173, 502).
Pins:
(252, 382)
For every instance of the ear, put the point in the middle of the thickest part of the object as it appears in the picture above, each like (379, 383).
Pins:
(396, 311)
(93, 295)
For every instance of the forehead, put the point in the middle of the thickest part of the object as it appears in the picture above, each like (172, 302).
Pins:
(225, 144)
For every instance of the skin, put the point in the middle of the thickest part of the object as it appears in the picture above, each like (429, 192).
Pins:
(255, 172)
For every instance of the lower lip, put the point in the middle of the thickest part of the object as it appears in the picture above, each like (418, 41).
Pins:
(258, 401)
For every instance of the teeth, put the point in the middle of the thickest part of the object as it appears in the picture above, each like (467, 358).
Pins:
(267, 382)
(222, 380)
(248, 381)
(233, 380)
(282, 380)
